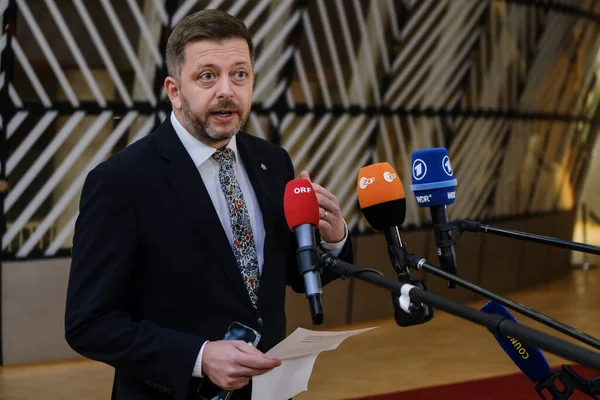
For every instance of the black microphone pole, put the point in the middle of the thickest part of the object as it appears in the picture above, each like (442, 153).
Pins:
(419, 263)
(397, 252)
(444, 242)
(475, 226)
(495, 323)
(398, 256)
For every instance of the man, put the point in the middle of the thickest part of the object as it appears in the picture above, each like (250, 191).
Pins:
(183, 233)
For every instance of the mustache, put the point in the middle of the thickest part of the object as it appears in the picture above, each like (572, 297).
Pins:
(228, 105)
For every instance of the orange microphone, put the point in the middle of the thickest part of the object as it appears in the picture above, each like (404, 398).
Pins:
(381, 196)
(383, 203)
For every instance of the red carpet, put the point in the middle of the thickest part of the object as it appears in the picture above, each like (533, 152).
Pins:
(507, 387)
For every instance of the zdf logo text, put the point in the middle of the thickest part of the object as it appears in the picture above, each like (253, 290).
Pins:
(389, 176)
(364, 182)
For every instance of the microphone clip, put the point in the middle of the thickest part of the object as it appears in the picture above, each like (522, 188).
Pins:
(570, 381)
(418, 313)
(310, 254)
(399, 259)
(445, 228)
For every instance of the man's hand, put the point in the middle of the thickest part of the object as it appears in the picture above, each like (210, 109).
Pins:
(331, 224)
(230, 364)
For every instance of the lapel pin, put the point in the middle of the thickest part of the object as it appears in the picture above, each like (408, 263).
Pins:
(263, 166)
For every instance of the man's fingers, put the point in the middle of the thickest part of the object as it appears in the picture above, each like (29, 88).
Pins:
(245, 372)
(234, 383)
(325, 202)
(304, 175)
(231, 364)
(318, 188)
(321, 190)
(323, 225)
(257, 362)
(246, 347)
(253, 358)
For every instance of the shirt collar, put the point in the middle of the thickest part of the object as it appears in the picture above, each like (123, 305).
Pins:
(198, 151)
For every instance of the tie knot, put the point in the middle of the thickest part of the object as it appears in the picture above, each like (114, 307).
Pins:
(225, 157)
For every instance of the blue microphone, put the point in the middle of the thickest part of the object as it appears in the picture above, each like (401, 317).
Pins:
(530, 360)
(434, 187)
(433, 180)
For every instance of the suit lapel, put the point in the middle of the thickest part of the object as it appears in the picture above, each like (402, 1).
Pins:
(187, 183)
(259, 177)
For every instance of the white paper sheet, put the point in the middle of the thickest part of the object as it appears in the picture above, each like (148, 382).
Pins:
(298, 353)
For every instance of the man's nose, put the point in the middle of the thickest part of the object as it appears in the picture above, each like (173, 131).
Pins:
(224, 88)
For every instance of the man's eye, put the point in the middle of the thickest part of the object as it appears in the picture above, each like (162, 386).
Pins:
(241, 74)
(207, 76)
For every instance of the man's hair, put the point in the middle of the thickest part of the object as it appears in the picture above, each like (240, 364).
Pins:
(214, 25)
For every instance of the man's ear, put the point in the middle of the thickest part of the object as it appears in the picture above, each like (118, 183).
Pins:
(172, 90)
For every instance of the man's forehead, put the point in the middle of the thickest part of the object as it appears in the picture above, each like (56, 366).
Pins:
(237, 48)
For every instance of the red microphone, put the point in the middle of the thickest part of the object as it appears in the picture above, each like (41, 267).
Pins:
(302, 215)
(300, 203)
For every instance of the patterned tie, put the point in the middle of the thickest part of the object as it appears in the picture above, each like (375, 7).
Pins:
(243, 238)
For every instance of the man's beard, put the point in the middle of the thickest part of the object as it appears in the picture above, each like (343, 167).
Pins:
(203, 131)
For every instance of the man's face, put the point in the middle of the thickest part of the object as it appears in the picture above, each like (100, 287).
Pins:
(214, 94)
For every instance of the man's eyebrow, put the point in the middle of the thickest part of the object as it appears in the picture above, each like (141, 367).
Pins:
(214, 66)
(208, 65)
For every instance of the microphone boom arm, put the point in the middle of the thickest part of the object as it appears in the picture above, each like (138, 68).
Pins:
(495, 323)
(418, 313)
(419, 263)
(475, 226)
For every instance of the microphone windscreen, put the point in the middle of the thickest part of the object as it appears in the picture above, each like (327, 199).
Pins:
(433, 180)
(381, 196)
(300, 203)
(530, 360)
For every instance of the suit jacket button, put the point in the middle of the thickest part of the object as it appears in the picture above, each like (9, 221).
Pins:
(260, 321)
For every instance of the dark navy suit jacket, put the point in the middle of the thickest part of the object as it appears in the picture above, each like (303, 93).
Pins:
(153, 275)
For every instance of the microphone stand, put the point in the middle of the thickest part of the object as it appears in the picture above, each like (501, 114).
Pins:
(419, 263)
(570, 381)
(398, 256)
(569, 378)
(475, 226)
(397, 253)
(497, 324)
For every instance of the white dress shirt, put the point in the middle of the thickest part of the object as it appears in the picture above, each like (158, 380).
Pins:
(209, 171)
(208, 167)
